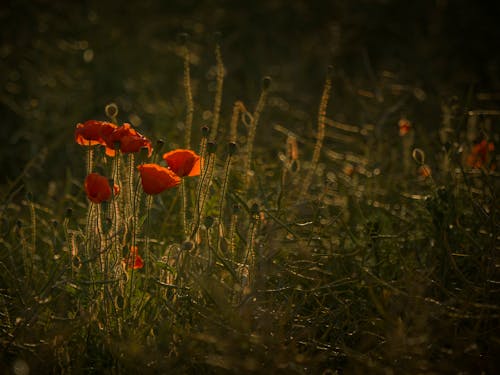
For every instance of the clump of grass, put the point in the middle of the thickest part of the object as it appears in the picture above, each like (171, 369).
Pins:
(365, 273)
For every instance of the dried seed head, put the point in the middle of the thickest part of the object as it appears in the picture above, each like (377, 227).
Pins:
(205, 131)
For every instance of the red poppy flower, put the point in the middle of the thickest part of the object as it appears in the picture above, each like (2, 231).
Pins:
(183, 162)
(424, 171)
(156, 179)
(134, 260)
(404, 127)
(129, 139)
(480, 153)
(97, 188)
(93, 132)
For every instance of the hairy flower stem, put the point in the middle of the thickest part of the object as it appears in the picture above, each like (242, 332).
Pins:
(90, 159)
(321, 130)
(185, 228)
(222, 199)
(149, 203)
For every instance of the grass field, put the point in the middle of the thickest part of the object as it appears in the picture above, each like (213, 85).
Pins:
(175, 200)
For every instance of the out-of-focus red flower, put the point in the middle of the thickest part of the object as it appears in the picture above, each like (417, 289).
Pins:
(97, 188)
(404, 126)
(129, 140)
(424, 171)
(156, 178)
(183, 162)
(480, 154)
(93, 132)
(134, 260)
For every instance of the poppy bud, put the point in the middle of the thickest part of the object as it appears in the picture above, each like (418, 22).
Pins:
(217, 37)
(69, 212)
(205, 131)
(329, 71)
(111, 110)
(266, 82)
(183, 38)
(187, 245)
(418, 155)
(232, 148)
(254, 210)
(209, 221)
(211, 147)
(159, 145)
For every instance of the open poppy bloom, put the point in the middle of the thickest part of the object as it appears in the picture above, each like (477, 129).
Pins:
(156, 178)
(93, 132)
(480, 154)
(183, 162)
(404, 126)
(134, 260)
(129, 139)
(97, 188)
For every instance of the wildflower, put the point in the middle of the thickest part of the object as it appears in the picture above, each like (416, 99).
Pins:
(129, 140)
(116, 189)
(156, 178)
(480, 154)
(97, 188)
(404, 126)
(134, 260)
(93, 132)
(183, 162)
(424, 171)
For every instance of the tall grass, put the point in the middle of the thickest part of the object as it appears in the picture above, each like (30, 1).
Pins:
(337, 265)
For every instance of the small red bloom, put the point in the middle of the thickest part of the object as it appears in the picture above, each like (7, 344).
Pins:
(404, 126)
(156, 178)
(97, 188)
(93, 132)
(116, 189)
(424, 171)
(183, 162)
(129, 140)
(480, 154)
(134, 260)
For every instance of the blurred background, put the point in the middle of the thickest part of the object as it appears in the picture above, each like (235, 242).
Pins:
(61, 62)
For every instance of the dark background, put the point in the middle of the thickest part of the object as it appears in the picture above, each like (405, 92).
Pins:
(62, 62)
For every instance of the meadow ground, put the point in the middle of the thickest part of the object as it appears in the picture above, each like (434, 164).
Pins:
(275, 187)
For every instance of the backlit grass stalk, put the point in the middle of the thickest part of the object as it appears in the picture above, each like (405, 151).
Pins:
(253, 129)
(231, 237)
(249, 256)
(204, 185)
(218, 93)
(238, 108)
(321, 130)
(222, 198)
(189, 96)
